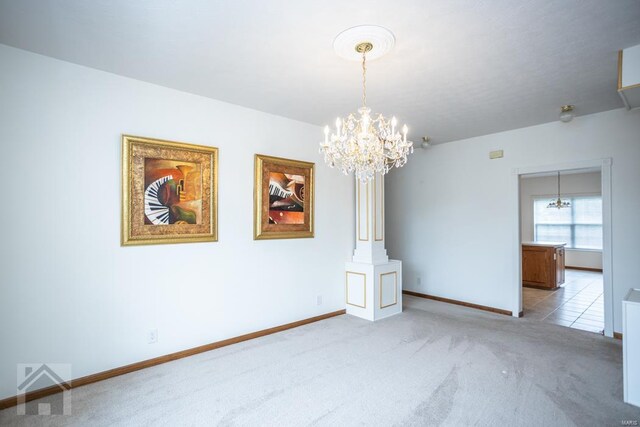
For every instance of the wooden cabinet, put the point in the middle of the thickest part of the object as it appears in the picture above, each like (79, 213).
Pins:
(543, 265)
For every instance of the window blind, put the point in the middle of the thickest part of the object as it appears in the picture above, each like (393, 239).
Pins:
(579, 226)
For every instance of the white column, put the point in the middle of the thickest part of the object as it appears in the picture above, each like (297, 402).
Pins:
(373, 282)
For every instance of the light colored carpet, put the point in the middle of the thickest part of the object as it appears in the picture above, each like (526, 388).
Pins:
(435, 364)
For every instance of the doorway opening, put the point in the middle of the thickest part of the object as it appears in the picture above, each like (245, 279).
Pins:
(564, 252)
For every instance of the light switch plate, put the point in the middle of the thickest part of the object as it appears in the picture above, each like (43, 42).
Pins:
(497, 154)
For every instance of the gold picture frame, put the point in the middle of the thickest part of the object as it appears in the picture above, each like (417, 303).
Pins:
(288, 212)
(169, 192)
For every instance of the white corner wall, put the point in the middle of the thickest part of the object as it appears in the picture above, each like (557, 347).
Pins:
(450, 210)
(574, 184)
(70, 293)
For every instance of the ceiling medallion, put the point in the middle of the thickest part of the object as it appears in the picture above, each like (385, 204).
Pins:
(361, 143)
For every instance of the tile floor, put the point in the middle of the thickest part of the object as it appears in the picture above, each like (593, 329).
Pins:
(577, 304)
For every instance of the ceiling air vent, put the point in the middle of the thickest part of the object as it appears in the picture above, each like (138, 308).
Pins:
(629, 77)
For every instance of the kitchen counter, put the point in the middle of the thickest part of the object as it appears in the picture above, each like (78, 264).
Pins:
(550, 244)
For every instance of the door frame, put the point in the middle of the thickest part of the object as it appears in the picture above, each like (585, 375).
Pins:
(607, 253)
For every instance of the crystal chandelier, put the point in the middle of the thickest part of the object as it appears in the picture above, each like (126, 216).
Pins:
(363, 144)
(559, 203)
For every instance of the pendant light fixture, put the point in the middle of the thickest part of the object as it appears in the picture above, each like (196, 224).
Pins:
(559, 203)
(362, 143)
(566, 113)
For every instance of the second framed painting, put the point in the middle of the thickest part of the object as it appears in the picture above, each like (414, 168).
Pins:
(283, 198)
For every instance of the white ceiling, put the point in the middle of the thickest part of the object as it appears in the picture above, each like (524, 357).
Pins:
(459, 68)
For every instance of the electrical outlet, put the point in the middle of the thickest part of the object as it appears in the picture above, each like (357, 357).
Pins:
(319, 300)
(419, 280)
(152, 336)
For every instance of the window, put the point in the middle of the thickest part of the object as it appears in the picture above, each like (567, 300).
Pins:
(579, 226)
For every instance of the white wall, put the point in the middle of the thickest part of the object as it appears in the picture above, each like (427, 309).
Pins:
(71, 294)
(450, 210)
(573, 184)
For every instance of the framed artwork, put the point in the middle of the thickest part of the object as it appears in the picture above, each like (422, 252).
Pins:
(283, 198)
(169, 192)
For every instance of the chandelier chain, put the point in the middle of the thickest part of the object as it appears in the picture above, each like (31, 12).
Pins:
(364, 78)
